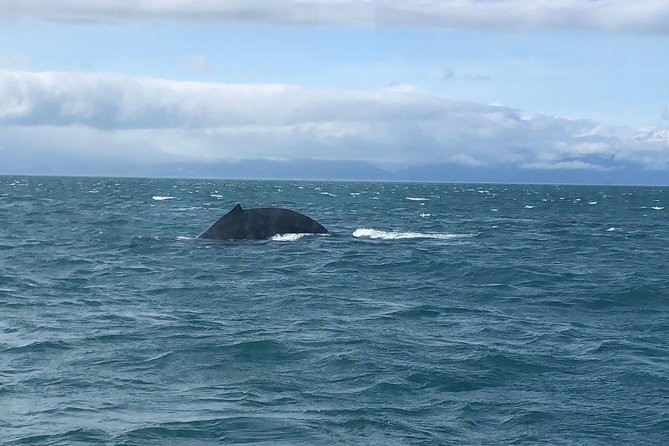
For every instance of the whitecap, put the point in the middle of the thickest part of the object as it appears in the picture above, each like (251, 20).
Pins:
(392, 235)
(188, 208)
(494, 210)
(417, 199)
(161, 198)
(183, 237)
(286, 237)
(657, 208)
(529, 207)
(592, 202)
(611, 229)
(328, 194)
(426, 215)
(216, 196)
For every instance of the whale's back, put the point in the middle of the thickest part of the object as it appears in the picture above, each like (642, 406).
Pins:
(261, 223)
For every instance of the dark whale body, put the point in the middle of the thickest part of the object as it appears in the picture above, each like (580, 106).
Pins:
(261, 223)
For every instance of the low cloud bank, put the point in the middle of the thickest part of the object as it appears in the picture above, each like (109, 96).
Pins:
(146, 120)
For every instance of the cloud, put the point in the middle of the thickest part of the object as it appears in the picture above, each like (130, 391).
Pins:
(466, 160)
(152, 120)
(643, 16)
(198, 63)
(448, 74)
(404, 88)
(561, 165)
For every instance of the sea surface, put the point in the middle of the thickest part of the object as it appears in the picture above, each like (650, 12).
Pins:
(433, 314)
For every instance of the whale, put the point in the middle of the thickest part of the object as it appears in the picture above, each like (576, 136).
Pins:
(260, 223)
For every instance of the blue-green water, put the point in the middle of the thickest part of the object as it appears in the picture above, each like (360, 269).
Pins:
(433, 314)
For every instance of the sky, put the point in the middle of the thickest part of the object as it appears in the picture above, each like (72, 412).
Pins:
(530, 85)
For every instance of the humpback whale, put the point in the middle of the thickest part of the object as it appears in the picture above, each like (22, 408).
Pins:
(261, 223)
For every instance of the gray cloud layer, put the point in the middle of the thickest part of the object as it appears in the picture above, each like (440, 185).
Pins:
(134, 118)
(645, 16)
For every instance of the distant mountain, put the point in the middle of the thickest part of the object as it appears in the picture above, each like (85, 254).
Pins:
(277, 169)
(307, 169)
(510, 174)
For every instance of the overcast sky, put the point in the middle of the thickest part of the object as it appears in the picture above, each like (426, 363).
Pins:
(534, 84)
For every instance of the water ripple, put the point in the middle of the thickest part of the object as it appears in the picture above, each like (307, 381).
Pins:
(519, 326)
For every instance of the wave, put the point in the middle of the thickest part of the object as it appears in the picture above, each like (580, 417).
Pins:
(79, 436)
(417, 199)
(161, 198)
(392, 235)
(41, 346)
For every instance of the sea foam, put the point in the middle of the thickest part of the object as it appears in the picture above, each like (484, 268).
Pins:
(392, 235)
(286, 237)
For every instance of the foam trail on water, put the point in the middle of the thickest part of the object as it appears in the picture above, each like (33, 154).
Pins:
(391, 235)
(286, 237)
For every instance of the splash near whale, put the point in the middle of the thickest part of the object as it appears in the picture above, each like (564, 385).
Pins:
(261, 223)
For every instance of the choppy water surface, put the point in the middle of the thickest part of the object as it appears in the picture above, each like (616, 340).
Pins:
(433, 314)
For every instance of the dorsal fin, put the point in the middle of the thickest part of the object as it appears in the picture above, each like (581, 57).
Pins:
(235, 210)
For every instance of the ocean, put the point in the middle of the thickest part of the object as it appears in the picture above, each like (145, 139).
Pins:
(432, 314)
